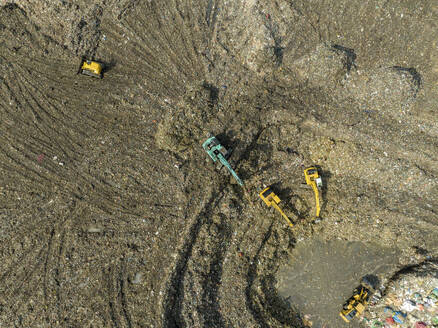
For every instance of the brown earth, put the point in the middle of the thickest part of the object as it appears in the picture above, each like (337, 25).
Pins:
(111, 213)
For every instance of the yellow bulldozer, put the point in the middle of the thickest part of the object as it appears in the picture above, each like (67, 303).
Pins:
(91, 68)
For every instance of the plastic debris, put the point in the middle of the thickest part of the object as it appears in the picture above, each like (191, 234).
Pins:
(428, 301)
(306, 320)
(420, 324)
(138, 278)
(412, 299)
(376, 297)
(408, 306)
(418, 296)
(399, 317)
(377, 324)
(390, 320)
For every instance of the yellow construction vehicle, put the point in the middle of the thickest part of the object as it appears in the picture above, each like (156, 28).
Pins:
(314, 180)
(91, 68)
(271, 199)
(356, 304)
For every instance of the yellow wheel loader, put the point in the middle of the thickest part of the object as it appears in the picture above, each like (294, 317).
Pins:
(271, 199)
(91, 68)
(356, 304)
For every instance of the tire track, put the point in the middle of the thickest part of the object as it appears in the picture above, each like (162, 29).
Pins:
(122, 294)
(108, 275)
(174, 296)
(44, 270)
(209, 308)
(251, 276)
(118, 302)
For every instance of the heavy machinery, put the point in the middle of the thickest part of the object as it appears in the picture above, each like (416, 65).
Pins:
(356, 304)
(271, 199)
(91, 68)
(220, 156)
(314, 180)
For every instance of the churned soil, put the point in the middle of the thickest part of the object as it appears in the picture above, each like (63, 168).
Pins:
(112, 214)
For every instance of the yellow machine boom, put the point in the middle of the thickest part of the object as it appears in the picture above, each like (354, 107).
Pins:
(316, 192)
(271, 199)
(314, 180)
(282, 213)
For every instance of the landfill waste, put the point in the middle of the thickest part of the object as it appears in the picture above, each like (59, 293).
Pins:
(390, 320)
(410, 300)
(408, 306)
(397, 316)
(306, 82)
(376, 297)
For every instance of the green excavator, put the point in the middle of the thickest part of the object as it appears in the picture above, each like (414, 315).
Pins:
(219, 154)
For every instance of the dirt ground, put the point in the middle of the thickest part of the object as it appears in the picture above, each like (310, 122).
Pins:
(331, 271)
(112, 214)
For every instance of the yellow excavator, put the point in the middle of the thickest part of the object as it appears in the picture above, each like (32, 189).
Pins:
(271, 199)
(91, 68)
(314, 180)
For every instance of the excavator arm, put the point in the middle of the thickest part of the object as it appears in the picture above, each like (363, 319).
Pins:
(316, 192)
(282, 214)
(228, 166)
(314, 180)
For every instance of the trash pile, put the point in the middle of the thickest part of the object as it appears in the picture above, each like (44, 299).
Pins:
(410, 300)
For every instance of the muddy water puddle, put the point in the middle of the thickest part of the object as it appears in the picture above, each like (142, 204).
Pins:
(321, 275)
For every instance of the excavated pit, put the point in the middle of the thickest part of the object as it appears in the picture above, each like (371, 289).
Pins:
(322, 274)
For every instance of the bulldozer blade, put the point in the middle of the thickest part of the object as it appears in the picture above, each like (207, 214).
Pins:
(86, 72)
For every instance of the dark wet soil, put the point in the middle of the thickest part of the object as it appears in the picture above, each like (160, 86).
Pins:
(322, 274)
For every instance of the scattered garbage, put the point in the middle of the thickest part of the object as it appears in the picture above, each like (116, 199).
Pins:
(138, 278)
(390, 320)
(409, 301)
(408, 306)
(306, 320)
